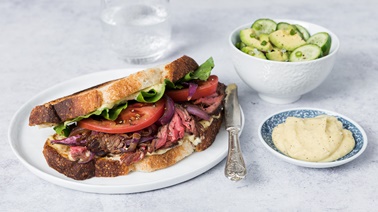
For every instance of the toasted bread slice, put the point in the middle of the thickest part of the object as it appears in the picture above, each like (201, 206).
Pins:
(108, 93)
(57, 157)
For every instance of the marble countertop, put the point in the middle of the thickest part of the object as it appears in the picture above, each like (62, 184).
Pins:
(47, 42)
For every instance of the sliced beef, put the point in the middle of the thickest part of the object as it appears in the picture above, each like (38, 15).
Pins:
(161, 138)
(132, 157)
(84, 144)
(81, 154)
(176, 129)
(103, 143)
(212, 104)
(186, 119)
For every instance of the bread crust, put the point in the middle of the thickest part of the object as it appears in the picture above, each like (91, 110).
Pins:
(110, 167)
(108, 93)
(107, 167)
(207, 137)
(72, 169)
(174, 155)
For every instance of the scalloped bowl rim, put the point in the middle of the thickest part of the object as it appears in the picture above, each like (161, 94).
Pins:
(314, 164)
(334, 45)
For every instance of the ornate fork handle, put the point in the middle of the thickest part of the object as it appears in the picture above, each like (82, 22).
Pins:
(235, 169)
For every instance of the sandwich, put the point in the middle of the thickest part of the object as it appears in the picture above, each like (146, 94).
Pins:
(146, 121)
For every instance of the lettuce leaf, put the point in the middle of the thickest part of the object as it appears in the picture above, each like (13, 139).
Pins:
(112, 114)
(149, 95)
(202, 73)
(109, 114)
(172, 85)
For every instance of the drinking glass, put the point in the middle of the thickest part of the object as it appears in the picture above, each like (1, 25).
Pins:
(138, 30)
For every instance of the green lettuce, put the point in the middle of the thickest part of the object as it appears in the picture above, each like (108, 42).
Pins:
(202, 73)
(112, 114)
(149, 95)
(109, 114)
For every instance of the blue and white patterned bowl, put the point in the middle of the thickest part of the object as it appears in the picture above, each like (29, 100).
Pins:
(266, 128)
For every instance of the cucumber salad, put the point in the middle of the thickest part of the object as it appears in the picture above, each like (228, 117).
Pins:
(283, 41)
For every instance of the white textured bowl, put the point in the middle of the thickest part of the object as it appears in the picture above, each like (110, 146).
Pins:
(282, 82)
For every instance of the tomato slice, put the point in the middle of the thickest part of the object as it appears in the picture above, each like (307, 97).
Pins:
(135, 117)
(205, 88)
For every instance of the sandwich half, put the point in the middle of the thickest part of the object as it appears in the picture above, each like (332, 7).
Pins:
(146, 121)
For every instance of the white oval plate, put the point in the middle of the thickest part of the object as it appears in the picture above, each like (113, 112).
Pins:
(266, 127)
(27, 143)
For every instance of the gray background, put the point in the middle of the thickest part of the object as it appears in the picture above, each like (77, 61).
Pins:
(43, 43)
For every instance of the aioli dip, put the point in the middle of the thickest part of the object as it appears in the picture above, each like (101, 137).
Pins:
(318, 139)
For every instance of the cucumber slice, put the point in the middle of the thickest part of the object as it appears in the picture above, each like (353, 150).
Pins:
(264, 26)
(284, 25)
(253, 52)
(323, 40)
(305, 53)
(287, 26)
(305, 33)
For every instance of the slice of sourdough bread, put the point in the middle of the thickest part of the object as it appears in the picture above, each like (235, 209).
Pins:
(109, 93)
(57, 156)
